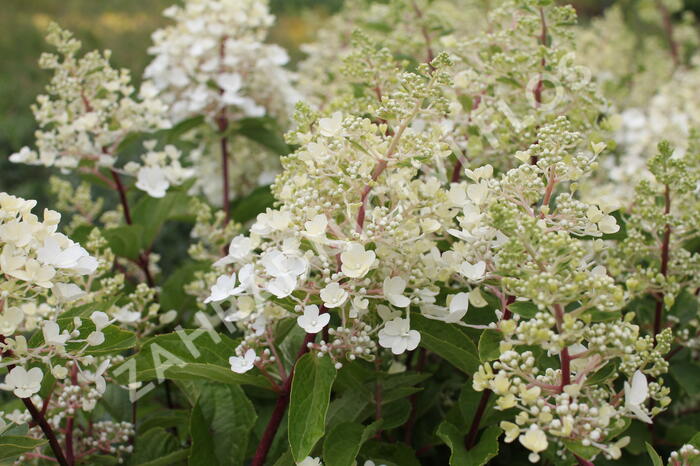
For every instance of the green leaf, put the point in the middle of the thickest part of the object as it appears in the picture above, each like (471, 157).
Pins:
(264, 131)
(12, 446)
(222, 413)
(153, 445)
(603, 374)
(151, 213)
(178, 130)
(342, 444)
(448, 342)
(390, 454)
(165, 419)
(311, 392)
(687, 374)
(655, 458)
(575, 446)
(596, 315)
(125, 241)
(524, 308)
(168, 356)
(174, 296)
(479, 455)
(247, 208)
(489, 345)
(176, 457)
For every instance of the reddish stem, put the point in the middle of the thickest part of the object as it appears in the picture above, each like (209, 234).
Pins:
(376, 173)
(122, 196)
(564, 356)
(668, 29)
(142, 260)
(47, 430)
(583, 461)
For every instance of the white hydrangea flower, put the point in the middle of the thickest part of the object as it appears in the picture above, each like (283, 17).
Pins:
(311, 321)
(153, 181)
(398, 336)
(356, 262)
(23, 383)
(473, 272)
(241, 365)
(393, 291)
(333, 295)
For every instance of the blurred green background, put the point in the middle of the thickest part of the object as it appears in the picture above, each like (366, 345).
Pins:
(124, 26)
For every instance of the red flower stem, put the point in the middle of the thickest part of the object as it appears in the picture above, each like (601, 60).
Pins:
(47, 430)
(564, 356)
(142, 260)
(222, 122)
(38, 417)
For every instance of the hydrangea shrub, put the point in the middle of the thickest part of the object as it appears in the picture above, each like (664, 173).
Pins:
(458, 232)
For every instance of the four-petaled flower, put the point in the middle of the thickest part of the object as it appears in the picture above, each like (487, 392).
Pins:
(23, 383)
(243, 364)
(311, 321)
(398, 336)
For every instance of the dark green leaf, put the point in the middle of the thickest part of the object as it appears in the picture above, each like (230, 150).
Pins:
(248, 207)
(655, 458)
(342, 444)
(125, 241)
(222, 413)
(524, 308)
(311, 392)
(264, 131)
(489, 345)
(168, 356)
(448, 342)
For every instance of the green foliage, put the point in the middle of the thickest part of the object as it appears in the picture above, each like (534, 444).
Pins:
(308, 404)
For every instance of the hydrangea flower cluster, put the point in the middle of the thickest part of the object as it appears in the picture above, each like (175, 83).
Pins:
(441, 263)
(213, 62)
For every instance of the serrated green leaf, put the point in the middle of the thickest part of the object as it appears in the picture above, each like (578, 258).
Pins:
(153, 445)
(125, 241)
(448, 342)
(390, 454)
(222, 413)
(342, 444)
(575, 446)
(309, 399)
